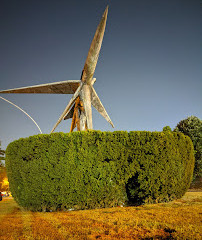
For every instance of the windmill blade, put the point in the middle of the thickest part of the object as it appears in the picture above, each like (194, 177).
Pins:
(93, 53)
(70, 113)
(63, 87)
(99, 106)
(68, 107)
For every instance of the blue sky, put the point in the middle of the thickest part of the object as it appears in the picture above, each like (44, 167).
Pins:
(149, 72)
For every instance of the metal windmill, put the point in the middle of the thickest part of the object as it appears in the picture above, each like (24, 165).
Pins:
(79, 107)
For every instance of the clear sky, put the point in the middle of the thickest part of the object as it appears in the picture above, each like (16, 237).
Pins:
(149, 73)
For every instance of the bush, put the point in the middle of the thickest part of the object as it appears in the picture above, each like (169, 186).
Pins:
(167, 128)
(192, 127)
(97, 169)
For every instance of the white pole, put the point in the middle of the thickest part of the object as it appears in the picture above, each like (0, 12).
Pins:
(23, 112)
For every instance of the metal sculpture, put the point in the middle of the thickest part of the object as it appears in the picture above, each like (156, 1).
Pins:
(79, 107)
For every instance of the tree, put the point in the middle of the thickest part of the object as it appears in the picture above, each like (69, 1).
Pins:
(3, 178)
(167, 129)
(4, 185)
(192, 127)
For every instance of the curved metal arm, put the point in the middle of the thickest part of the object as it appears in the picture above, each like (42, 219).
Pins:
(23, 112)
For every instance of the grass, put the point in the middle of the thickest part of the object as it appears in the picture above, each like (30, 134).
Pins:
(180, 219)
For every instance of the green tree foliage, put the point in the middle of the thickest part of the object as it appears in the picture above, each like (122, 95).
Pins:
(96, 169)
(167, 128)
(2, 170)
(192, 127)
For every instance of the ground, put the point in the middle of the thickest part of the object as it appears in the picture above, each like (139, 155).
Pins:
(180, 219)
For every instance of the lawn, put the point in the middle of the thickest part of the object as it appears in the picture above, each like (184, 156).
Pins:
(180, 219)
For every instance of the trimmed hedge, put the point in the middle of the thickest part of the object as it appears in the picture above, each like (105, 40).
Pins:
(96, 169)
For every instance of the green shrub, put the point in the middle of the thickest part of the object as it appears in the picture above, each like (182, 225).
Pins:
(97, 169)
(165, 166)
(192, 127)
(167, 128)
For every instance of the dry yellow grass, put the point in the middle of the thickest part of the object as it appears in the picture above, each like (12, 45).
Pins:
(179, 219)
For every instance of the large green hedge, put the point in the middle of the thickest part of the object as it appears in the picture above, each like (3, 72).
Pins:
(96, 169)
